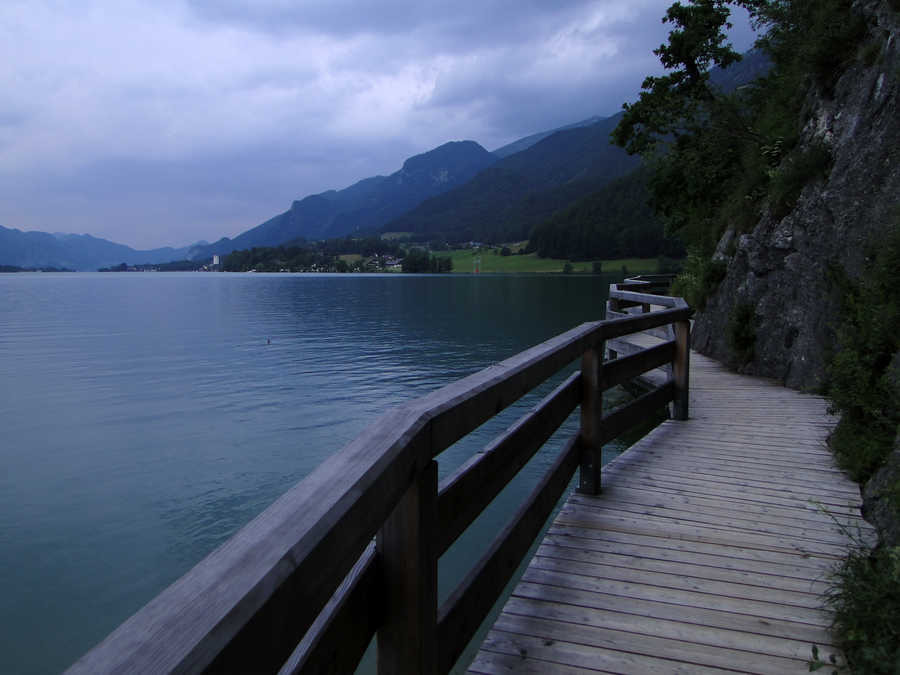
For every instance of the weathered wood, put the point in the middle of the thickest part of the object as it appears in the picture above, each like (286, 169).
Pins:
(249, 604)
(625, 417)
(470, 602)
(614, 328)
(254, 597)
(592, 388)
(705, 549)
(681, 369)
(464, 494)
(338, 639)
(407, 640)
(649, 298)
(624, 347)
(460, 407)
(626, 368)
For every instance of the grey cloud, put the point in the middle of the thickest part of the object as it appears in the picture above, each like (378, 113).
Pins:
(165, 123)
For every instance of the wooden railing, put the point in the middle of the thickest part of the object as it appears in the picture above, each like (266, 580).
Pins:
(303, 588)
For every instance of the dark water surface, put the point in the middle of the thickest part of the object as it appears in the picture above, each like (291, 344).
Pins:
(144, 418)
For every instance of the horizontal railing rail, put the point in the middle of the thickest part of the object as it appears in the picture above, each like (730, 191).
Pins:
(303, 588)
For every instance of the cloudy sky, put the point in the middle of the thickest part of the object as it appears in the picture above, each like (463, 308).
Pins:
(163, 122)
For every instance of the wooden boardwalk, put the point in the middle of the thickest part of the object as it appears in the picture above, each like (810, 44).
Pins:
(708, 551)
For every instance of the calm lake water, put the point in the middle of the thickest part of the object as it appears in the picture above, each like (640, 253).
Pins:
(147, 417)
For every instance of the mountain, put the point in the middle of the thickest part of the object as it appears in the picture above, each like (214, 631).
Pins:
(367, 204)
(74, 251)
(504, 201)
(614, 222)
(528, 141)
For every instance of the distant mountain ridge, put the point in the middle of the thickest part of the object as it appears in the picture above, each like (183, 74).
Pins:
(75, 251)
(369, 203)
(458, 190)
(528, 141)
(506, 200)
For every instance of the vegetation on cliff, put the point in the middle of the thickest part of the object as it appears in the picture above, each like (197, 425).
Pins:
(719, 159)
(725, 164)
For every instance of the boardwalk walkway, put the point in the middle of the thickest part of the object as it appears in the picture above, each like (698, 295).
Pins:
(708, 550)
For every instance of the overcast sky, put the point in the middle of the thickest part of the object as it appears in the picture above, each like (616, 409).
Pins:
(163, 122)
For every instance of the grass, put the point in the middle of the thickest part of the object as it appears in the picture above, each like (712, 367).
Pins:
(491, 263)
(866, 604)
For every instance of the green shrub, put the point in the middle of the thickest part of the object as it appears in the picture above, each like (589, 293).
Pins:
(794, 174)
(867, 337)
(699, 279)
(865, 597)
(742, 332)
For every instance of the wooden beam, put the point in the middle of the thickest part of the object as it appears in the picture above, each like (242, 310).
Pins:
(407, 638)
(592, 388)
(340, 636)
(626, 416)
(468, 605)
(626, 368)
(681, 369)
(464, 495)
(247, 605)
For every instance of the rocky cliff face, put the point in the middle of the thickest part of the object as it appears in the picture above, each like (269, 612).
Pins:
(780, 267)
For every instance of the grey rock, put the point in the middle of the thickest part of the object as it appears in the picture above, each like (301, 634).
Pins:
(781, 265)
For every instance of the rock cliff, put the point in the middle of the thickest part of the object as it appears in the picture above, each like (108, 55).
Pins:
(779, 268)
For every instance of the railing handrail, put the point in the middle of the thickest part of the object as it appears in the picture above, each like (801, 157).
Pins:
(307, 560)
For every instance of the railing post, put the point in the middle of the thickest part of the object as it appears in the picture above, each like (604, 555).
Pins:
(682, 369)
(407, 641)
(591, 420)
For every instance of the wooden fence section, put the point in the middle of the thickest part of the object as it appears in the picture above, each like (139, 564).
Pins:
(303, 587)
(708, 550)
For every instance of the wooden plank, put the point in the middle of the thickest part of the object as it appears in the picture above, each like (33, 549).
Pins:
(677, 578)
(788, 516)
(625, 368)
(584, 627)
(338, 639)
(491, 663)
(789, 566)
(681, 370)
(648, 298)
(680, 633)
(464, 494)
(640, 601)
(407, 639)
(589, 433)
(627, 416)
(597, 593)
(586, 656)
(468, 605)
(689, 530)
(698, 567)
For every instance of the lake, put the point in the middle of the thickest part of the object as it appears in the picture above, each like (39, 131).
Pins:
(147, 417)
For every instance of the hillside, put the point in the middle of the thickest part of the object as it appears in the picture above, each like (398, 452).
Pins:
(613, 222)
(368, 203)
(74, 251)
(506, 200)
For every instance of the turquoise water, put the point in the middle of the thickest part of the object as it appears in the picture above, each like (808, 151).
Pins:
(146, 417)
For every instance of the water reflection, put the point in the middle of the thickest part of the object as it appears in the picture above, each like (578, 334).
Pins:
(146, 417)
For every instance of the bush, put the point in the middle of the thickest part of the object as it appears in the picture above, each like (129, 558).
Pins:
(742, 332)
(858, 383)
(796, 172)
(699, 279)
(865, 597)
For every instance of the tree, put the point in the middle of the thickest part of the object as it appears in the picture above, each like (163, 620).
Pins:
(670, 105)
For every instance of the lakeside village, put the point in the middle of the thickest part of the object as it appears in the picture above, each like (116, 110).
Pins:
(386, 256)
